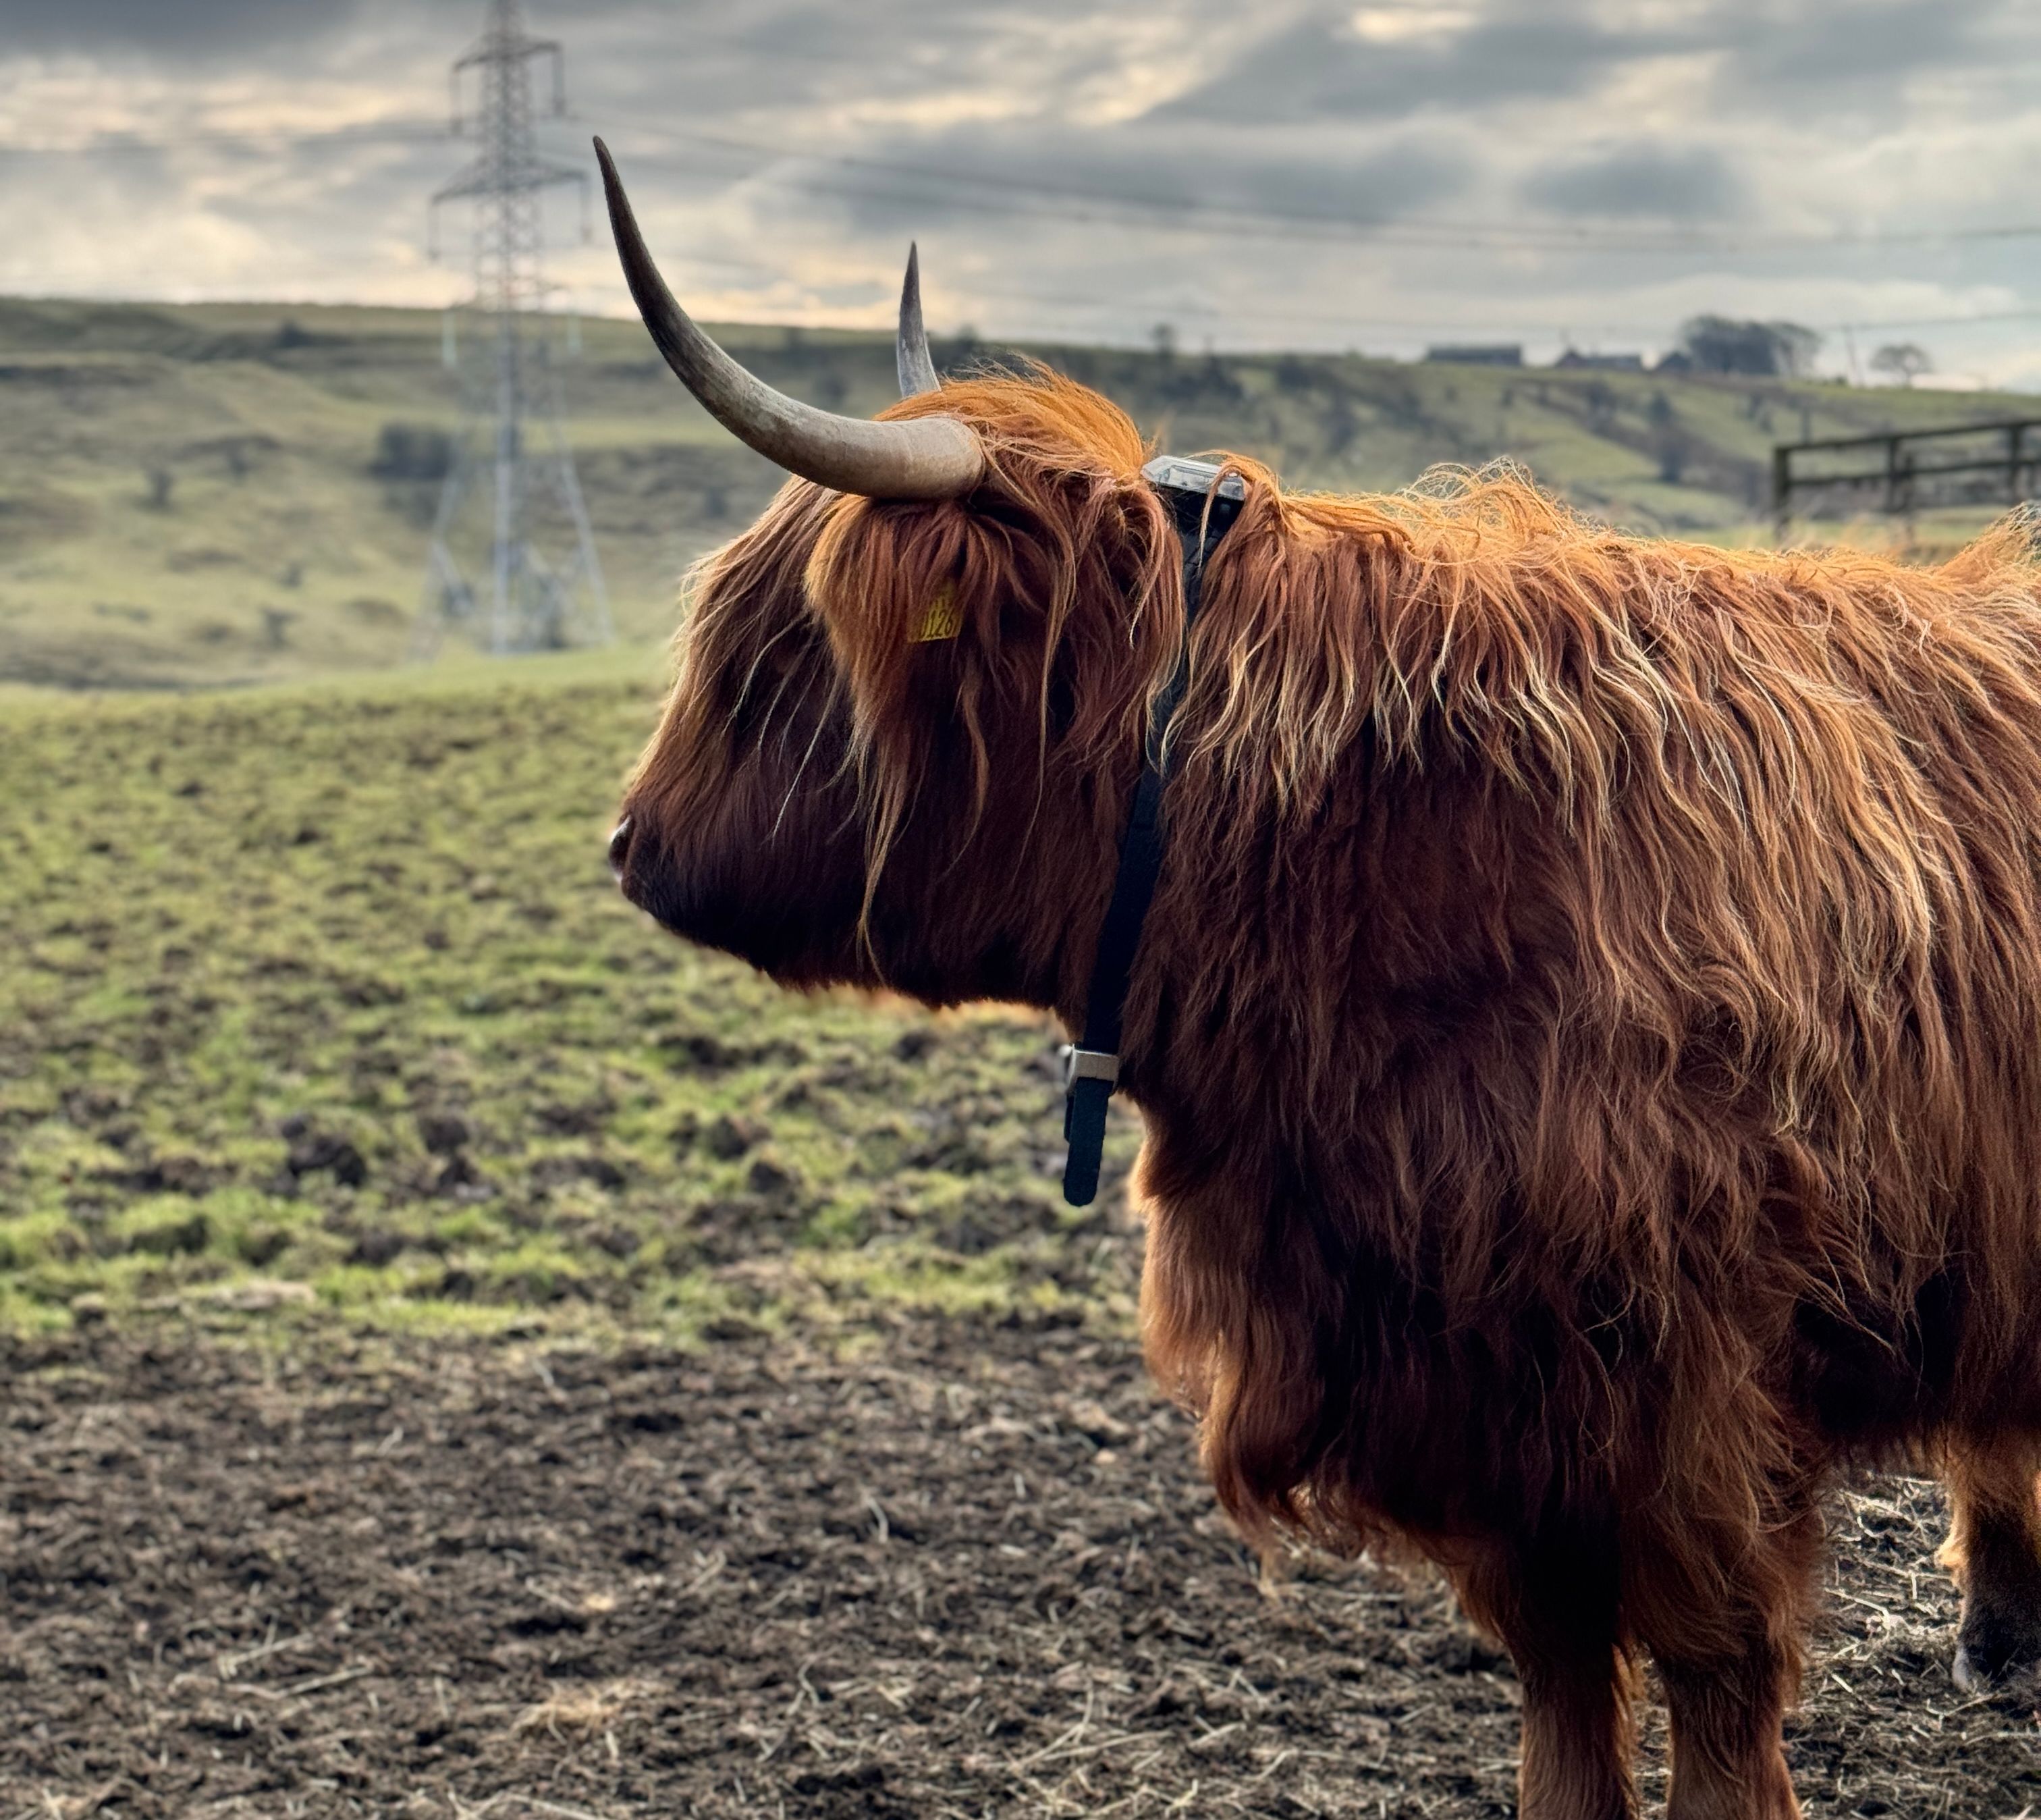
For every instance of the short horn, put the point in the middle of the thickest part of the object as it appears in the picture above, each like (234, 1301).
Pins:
(910, 351)
(922, 458)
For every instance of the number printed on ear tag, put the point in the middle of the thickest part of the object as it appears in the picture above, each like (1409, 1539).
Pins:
(944, 619)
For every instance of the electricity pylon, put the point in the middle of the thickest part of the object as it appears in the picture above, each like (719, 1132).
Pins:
(512, 447)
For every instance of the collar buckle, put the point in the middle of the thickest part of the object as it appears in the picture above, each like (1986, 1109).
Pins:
(1082, 1064)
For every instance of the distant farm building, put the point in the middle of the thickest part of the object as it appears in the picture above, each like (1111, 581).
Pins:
(1478, 353)
(1574, 361)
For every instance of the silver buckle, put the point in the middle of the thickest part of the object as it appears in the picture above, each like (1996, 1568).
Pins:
(1089, 1065)
(1179, 473)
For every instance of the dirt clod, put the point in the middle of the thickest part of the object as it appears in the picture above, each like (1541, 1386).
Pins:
(313, 1150)
(444, 1134)
(728, 1138)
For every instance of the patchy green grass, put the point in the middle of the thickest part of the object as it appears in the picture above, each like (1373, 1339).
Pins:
(321, 1004)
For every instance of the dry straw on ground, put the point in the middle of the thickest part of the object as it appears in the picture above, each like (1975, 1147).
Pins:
(971, 1571)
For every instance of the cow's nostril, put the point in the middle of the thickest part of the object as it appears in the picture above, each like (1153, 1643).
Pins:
(620, 846)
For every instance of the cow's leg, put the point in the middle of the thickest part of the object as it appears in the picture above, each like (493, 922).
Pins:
(1723, 1719)
(1555, 1610)
(1724, 1628)
(1994, 1550)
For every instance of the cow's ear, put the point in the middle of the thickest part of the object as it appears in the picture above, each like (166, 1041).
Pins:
(907, 595)
(890, 580)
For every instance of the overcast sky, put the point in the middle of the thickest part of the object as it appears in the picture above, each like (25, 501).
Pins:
(1257, 175)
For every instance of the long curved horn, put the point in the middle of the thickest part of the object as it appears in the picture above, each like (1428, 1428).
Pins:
(923, 458)
(911, 360)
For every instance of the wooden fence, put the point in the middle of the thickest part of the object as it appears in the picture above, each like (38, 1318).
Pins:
(1910, 470)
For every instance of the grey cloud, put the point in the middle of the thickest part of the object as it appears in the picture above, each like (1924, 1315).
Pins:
(1322, 70)
(178, 28)
(1826, 46)
(874, 35)
(1844, 59)
(1094, 180)
(189, 29)
(1815, 54)
(1639, 180)
(712, 61)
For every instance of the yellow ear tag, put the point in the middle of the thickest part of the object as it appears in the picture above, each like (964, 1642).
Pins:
(944, 620)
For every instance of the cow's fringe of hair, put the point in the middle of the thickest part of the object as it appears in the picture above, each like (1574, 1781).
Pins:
(1064, 536)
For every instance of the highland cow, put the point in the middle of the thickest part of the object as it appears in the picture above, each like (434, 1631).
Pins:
(1589, 1030)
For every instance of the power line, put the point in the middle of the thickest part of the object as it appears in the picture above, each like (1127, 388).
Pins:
(1265, 221)
(1276, 222)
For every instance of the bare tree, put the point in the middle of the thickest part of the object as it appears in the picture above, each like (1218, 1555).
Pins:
(1904, 361)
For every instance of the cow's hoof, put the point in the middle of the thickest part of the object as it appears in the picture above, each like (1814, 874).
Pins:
(1997, 1642)
(1967, 1676)
(1978, 1670)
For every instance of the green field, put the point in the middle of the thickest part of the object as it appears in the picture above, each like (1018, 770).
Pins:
(324, 1000)
(206, 495)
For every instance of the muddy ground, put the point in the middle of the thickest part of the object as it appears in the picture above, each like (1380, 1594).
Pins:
(967, 1569)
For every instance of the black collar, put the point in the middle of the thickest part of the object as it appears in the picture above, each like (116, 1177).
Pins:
(1203, 513)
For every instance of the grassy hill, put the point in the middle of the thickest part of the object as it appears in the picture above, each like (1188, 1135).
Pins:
(234, 493)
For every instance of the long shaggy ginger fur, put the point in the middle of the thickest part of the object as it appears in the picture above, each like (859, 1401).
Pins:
(1644, 939)
(1588, 1027)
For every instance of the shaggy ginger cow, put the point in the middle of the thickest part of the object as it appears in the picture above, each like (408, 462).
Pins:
(1587, 1030)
